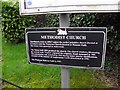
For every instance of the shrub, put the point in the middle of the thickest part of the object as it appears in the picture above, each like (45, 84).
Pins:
(52, 20)
(112, 22)
(13, 25)
(76, 20)
(82, 20)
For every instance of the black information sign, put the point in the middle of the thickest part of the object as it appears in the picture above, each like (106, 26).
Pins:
(69, 47)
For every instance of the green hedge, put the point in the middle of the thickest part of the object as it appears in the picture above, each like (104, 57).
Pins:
(82, 20)
(13, 25)
(112, 22)
(76, 20)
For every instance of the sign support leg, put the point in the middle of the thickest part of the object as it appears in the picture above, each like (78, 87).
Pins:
(65, 72)
(65, 78)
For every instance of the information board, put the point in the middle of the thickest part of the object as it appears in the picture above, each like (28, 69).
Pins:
(28, 7)
(68, 47)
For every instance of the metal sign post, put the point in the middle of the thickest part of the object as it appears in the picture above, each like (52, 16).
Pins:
(65, 71)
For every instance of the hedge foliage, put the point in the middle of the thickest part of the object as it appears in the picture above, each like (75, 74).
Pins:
(76, 20)
(112, 22)
(13, 25)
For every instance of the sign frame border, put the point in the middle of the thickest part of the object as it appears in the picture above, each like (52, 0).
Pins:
(68, 66)
(53, 10)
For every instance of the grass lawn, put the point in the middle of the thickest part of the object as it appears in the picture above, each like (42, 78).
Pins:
(17, 70)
